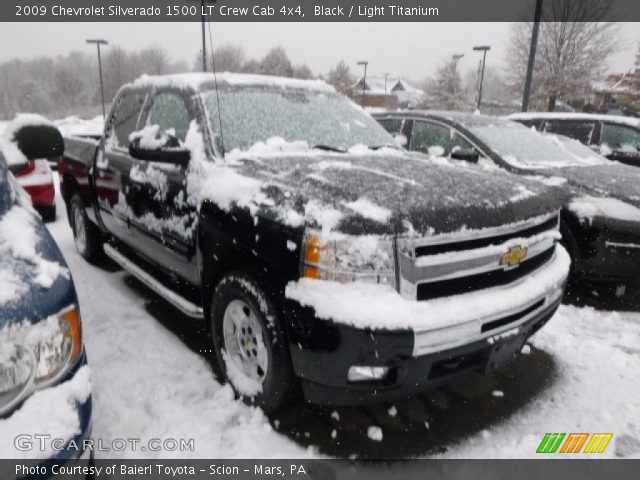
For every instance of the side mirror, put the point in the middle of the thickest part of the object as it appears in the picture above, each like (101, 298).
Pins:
(39, 141)
(466, 154)
(170, 151)
(400, 139)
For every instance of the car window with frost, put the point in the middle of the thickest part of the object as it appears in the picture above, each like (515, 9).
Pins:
(125, 117)
(620, 137)
(525, 147)
(256, 114)
(428, 135)
(170, 113)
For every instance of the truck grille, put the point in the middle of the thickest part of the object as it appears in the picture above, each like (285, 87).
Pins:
(448, 265)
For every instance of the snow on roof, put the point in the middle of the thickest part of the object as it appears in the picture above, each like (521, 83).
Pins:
(376, 86)
(633, 122)
(623, 83)
(198, 80)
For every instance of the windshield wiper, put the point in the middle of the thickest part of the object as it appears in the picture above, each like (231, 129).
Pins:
(385, 145)
(329, 148)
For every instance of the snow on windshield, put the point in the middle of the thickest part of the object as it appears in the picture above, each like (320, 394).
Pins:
(256, 114)
(526, 148)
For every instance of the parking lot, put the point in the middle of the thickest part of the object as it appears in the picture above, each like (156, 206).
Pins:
(152, 378)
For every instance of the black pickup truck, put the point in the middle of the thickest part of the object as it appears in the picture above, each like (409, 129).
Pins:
(324, 259)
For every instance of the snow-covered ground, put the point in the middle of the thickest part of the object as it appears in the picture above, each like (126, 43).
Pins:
(152, 379)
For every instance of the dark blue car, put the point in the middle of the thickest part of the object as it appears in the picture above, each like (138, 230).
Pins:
(45, 389)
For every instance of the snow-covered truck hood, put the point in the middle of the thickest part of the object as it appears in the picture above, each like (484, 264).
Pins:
(613, 180)
(34, 279)
(391, 192)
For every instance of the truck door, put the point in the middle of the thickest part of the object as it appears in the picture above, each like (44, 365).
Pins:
(164, 223)
(113, 164)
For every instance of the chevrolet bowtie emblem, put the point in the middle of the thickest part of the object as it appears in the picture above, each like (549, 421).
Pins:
(514, 256)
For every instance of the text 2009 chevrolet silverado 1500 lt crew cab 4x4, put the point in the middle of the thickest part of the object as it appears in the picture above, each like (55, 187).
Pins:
(323, 259)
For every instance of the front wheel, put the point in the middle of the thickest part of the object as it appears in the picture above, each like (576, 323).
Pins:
(86, 236)
(251, 345)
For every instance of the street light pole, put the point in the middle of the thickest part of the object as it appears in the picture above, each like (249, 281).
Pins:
(483, 49)
(364, 79)
(532, 55)
(99, 42)
(385, 83)
(204, 43)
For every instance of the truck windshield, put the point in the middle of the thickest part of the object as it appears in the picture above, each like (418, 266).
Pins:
(522, 147)
(323, 120)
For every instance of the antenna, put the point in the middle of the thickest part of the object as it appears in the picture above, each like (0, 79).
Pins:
(215, 81)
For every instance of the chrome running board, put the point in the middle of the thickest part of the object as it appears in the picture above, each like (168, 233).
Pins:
(178, 301)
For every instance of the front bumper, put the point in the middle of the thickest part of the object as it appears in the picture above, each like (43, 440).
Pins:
(418, 359)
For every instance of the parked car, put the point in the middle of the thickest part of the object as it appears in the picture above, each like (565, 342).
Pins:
(615, 137)
(35, 175)
(44, 378)
(600, 224)
(320, 256)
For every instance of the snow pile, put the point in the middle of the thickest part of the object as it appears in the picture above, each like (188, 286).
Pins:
(11, 153)
(18, 241)
(151, 138)
(51, 411)
(196, 80)
(587, 208)
(273, 146)
(75, 126)
(369, 209)
(24, 120)
(381, 307)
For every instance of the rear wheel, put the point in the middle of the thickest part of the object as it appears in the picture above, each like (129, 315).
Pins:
(250, 344)
(86, 236)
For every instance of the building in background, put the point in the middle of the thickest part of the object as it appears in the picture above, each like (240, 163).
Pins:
(385, 92)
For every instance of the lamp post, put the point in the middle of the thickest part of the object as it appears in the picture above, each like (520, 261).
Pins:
(204, 43)
(532, 55)
(386, 75)
(364, 63)
(483, 49)
(99, 42)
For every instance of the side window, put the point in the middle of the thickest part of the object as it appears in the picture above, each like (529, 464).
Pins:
(581, 131)
(428, 135)
(125, 117)
(391, 125)
(619, 137)
(170, 112)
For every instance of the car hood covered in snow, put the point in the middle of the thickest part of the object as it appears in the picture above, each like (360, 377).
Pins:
(34, 279)
(612, 180)
(394, 192)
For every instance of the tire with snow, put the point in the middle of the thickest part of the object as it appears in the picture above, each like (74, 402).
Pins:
(86, 235)
(250, 344)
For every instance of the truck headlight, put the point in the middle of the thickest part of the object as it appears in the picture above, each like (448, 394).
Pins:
(38, 355)
(344, 258)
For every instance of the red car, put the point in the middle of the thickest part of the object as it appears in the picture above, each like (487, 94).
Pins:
(34, 174)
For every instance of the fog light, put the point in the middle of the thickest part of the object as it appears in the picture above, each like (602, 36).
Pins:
(359, 373)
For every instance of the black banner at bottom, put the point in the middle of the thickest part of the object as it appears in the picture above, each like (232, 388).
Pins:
(548, 469)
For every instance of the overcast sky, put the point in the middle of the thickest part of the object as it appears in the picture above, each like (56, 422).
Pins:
(412, 50)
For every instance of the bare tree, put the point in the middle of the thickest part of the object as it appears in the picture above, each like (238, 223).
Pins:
(341, 78)
(276, 62)
(229, 58)
(445, 89)
(302, 71)
(638, 58)
(573, 49)
(153, 61)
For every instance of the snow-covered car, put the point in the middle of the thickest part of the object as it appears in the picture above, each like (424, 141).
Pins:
(321, 257)
(45, 390)
(29, 131)
(600, 222)
(614, 136)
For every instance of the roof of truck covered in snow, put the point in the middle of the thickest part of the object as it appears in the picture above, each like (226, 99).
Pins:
(202, 81)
